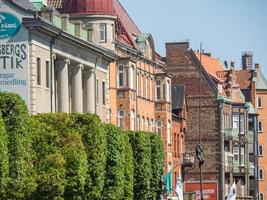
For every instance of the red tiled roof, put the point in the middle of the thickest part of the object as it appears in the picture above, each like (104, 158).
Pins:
(126, 23)
(211, 65)
(243, 78)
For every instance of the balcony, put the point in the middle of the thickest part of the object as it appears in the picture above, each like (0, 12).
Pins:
(250, 137)
(228, 162)
(231, 134)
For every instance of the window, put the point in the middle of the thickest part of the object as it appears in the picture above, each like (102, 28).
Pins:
(150, 85)
(259, 102)
(238, 123)
(132, 78)
(102, 32)
(147, 124)
(236, 155)
(132, 120)
(138, 123)
(152, 125)
(158, 89)
(164, 91)
(158, 127)
(146, 87)
(226, 121)
(127, 77)
(242, 158)
(121, 119)
(169, 133)
(120, 75)
(47, 67)
(168, 98)
(137, 84)
(260, 150)
(261, 196)
(104, 93)
(97, 91)
(261, 174)
(260, 127)
(38, 71)
(142, 86)
(143, 123)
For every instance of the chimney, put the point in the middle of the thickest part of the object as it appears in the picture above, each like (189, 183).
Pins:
(257, 66)
(207, 54)
(232, 65)
(174, 49)
(247, 58)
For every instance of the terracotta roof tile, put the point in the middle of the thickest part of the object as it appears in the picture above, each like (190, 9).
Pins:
(211, 65)
(243, 78)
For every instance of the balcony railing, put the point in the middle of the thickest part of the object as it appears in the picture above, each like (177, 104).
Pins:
(231, 134)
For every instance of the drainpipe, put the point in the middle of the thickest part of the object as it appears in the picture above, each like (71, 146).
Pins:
(52, 77)
(222, 173)
(96, 61)
(256, 160)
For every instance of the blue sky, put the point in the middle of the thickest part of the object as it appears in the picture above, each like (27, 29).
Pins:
(225, 27)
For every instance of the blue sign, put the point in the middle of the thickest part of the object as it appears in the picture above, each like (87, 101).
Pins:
(9, 25)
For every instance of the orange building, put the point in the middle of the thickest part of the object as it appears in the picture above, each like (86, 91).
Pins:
(254, 86)
(139, 91)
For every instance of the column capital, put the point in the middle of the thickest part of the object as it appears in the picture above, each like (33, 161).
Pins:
(80, 66)
(54, 56)
(67, 61)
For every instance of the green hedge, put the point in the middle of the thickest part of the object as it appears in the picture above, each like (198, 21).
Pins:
(74, 156)
(21, 173)
(140, 142)
(114, 173)
(128, 169)
(157, 163)
(94, 140)
(4, 170)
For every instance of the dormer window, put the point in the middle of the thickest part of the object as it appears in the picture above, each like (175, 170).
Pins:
(102, 32)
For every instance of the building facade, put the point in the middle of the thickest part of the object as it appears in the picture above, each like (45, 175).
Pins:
(220, 119)
(254, 85)
(139, 90)
(57, 69)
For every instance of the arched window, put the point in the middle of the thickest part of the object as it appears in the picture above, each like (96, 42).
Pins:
(147, 124)
(158, 84)
(138, 123)
(132, 120)
(152, 125)
(168, 92)
(158, 127)
(143, 123)
(121, 118)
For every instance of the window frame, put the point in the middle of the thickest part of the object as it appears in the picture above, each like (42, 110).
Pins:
(261, 101)
(120, 75)
(47, 74)
(103, 32)
(104, 93)
(261, 170)
(260, 126)
(38, 71)
(260, 150)
(121, 116)
(261, 196)
(158, 89)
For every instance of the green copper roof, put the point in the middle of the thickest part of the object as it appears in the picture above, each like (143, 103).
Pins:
(261, 82)
(224, 99)
(251, 109)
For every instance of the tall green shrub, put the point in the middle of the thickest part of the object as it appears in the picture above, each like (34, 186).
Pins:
(157, 163)
(128, 170)
(49, 164)
(114, 174)
(68, 142)
(140, 142)
(3, 160)
(94, 140)
(21, 174)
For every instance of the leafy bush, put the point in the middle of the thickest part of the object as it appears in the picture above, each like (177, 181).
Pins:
(140, 142)
(94, 140)
(67, 143)
(157, 163)
(21, 173)
(114, 175)
(4, 160)
(128, 170)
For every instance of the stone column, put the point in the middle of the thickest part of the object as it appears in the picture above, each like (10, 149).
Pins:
(90, 91)
(64, 86)
(78, 93)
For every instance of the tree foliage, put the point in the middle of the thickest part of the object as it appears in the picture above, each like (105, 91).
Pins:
(21, 173)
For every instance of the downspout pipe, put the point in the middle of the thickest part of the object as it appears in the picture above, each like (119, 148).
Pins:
(96, 95)
(222, 161)
(52, 77)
